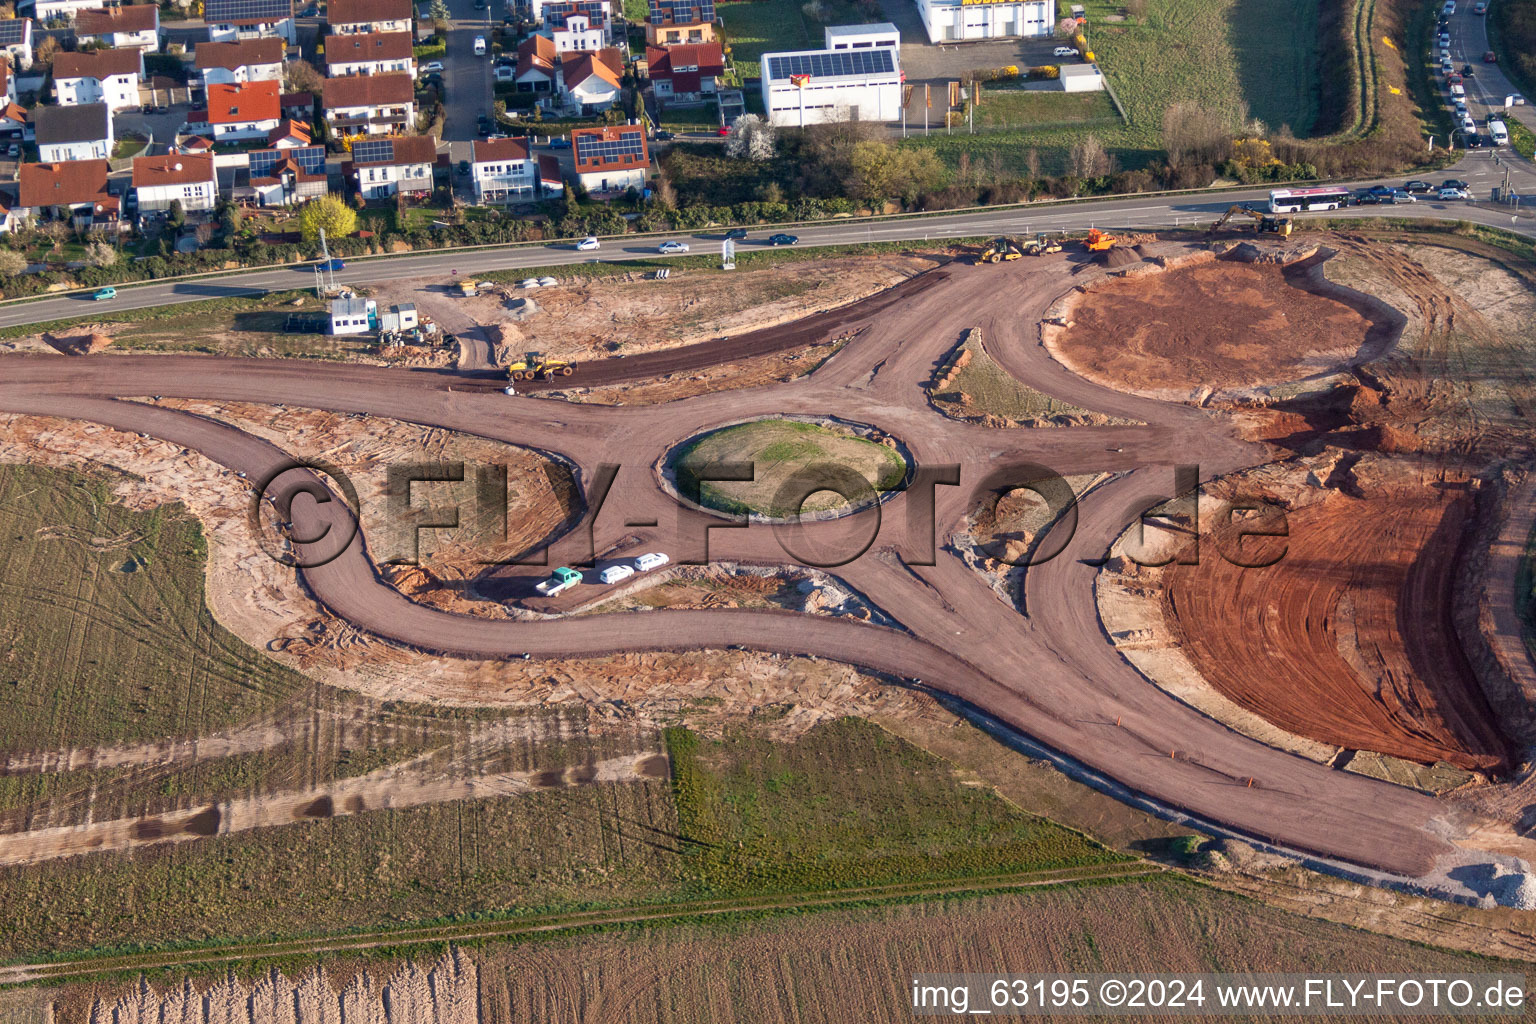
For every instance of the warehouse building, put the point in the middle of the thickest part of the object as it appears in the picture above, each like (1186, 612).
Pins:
(949, 21)
(817, 86)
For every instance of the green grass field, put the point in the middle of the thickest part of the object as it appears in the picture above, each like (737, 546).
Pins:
(102, 622)
(757, 27)
(1035, 109)
(777, 449)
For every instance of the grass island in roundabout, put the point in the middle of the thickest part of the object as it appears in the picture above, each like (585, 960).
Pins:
(781, 468)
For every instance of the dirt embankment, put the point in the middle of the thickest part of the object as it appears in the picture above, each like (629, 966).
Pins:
(1348, 639)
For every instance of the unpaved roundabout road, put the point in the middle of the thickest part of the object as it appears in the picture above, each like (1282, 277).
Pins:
(1051, 673)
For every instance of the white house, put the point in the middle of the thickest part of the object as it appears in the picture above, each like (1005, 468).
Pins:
(230, 21)
(160, 180)
(590, 81)
(99, 76)
(49, 11)
(250, 60)
(383, 167)
(956, 20)
(503, 171)
(686, 73)
(556, 13)
(353, 17)
(818, 86)
(81, 132)
(370, 104)
(536, 60)
(136, 25)
(369, 53)
(579, 34)
(16, 41)
(249, 111)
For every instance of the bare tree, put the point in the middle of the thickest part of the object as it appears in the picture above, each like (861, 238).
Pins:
(664, 194)
(301, 76)
(11, 262)
(1032, 162)
(1089, 160)
(101, 254)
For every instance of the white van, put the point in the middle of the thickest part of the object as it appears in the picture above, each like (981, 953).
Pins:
(651, 560)
(614, 573)
(479, 46)
(1499, 132)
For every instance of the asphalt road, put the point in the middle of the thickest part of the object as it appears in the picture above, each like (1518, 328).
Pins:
(1478, 168)
(467, 78)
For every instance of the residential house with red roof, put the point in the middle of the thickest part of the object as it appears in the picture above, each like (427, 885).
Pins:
(250, 60)
(99, 76)
(504, 171)
(370, 104)
(536, 60)
(383, 167)
(369, 53)
(355, 17)
(73, 190)
(249, 111)
(130, 25)
(686, 73)
(589, 82)
(159, 181)
(612, 158)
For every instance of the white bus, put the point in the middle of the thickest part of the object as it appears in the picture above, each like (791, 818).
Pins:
(1296, 200)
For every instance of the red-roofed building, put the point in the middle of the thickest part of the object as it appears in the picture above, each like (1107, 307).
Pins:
(504, 171)
(685, 74)
(370, 104)
(133, 25)
(589, 82)
(404, 167)
(351, 17)
(289, 134)
(249, 111)
(74, 190)
(177, 177)
(99, 76)
(536, 60)
(249, 60)
(13, 122)
(611, 159)
(369, 53)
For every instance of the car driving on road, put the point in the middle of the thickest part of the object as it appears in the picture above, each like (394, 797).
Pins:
(588, 244)
(736, 234)
(1417, 186)
(432, 65)
(1399, 196)
(783, 239)
(104, 293)
(1453, 193)
(331, 264)
(672, 247)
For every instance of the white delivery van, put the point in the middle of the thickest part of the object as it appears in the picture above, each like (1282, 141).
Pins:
(614, 573)
(1499, 132)
(651, 560)
(479, 46)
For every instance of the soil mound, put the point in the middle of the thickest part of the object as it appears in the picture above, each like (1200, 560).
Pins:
(80, 344)
(1121, 256)
(1212, 326)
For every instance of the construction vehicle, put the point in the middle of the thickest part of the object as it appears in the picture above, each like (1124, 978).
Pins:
(1040, 246)
(1099, 241)
(469, 289)
(999, 250)
(1263, 222)
(561, 580)
(533, 366)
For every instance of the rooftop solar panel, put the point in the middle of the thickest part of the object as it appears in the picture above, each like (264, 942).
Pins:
(630, 145)
(832, 63)
(225, 11)
(377, 149)
(11, 30)
(310, 158)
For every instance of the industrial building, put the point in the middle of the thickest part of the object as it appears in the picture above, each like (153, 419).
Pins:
(816, 86)
(948, 21)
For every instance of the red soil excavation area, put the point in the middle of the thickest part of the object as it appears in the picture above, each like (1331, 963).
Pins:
(1348, 638)
(1220, 324)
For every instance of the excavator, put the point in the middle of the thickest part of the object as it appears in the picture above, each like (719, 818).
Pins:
(533, 366)
(1099, 241)
(1264, 222)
